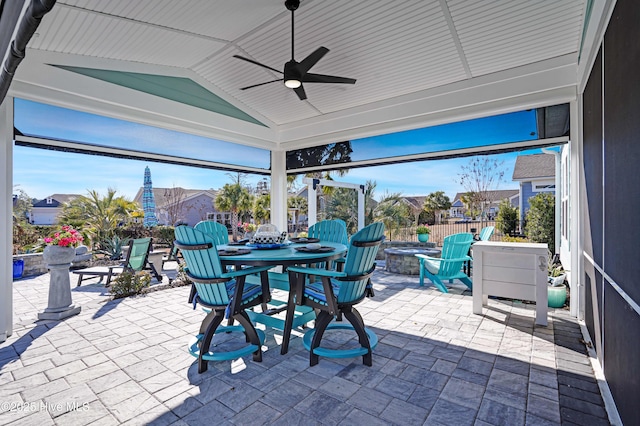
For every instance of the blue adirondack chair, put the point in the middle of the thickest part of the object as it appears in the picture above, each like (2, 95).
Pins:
(218, 231)
(455, 251)
(224, 293)
(337, 293)
(486, 233)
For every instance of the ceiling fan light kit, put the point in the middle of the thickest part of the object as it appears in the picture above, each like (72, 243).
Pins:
(295, 73)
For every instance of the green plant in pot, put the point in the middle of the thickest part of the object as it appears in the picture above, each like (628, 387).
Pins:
(557, 290)
(423, 232)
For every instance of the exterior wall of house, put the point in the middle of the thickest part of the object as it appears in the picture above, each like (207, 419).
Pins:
(611, 303)
(196, 209)
(44, 216)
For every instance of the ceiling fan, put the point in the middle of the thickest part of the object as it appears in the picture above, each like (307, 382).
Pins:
(295, 73)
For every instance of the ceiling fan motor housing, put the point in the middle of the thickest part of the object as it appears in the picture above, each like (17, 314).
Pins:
(292, 4)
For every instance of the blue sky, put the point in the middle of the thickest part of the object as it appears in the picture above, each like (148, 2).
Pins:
(41, 173)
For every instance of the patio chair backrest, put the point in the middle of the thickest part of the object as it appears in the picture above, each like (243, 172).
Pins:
(202, 263)
(218, 231)
(455, 246)
(138, 253)
(486, 233)
(360, 260)
(334, 230)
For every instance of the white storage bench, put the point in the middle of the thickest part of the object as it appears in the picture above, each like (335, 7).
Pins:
(513, 270)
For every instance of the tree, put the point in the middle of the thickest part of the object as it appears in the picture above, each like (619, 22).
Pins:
(541, 223)
(471, 201)
(234, 198)
(369, 202)
(22, 205)
(436, 202)
(299, 206)
(174, 204)
(507, 218)
(99, 215)
(392, 212)
(262, 208)
(479, 176)
(343, 204)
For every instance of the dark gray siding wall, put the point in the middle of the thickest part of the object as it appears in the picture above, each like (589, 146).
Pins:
(611, 188)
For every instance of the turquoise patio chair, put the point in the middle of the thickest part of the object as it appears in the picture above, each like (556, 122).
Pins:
(218, 231)
(455, 251)
(225, 294)
(486, 233)
(334, 230)
(337, 293)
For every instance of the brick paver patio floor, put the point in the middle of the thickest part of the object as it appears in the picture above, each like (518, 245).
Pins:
(125, 362)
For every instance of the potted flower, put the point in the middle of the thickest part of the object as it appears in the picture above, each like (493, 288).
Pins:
(59, 254)
(61, 246)
(249, 229)
(557, 291)
(423, 232)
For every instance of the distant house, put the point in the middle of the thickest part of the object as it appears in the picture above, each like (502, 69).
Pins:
(188, 206)
(47, 210)
(536, 173)
(458, 209)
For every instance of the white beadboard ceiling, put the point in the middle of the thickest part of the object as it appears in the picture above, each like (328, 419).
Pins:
(395, 49)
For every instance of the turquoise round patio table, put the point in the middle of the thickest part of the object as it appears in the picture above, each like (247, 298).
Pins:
(284, 256)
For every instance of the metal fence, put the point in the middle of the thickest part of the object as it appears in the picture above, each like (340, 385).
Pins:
(438, 232)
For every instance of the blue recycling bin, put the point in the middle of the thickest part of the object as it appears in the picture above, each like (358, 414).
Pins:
(18, 268)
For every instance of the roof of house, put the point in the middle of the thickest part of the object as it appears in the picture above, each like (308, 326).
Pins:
(416, 202)
(56, 200)
(534, 166)
(495, 195)
(162, 196)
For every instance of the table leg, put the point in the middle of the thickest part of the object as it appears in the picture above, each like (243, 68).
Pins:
(291, 310)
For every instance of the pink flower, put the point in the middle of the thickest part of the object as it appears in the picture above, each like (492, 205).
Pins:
(68, 237)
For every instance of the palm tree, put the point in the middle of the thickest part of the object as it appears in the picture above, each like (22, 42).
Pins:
(392, 212)
(262, 208)
(235, 198)
(100, 214)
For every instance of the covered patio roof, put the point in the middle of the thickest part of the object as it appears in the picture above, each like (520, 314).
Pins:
(417, 63)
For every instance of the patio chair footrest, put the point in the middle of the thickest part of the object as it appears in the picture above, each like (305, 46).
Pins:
(194, 349)
(340, 353)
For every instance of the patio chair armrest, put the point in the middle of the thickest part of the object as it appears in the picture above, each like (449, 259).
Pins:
(245, 271)
(316, 271)
(459, 259)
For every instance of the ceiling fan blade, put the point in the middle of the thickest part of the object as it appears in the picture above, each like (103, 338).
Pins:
(306, 64)
(300, 92)
(260, 84)
(321, 78)
(257, 63)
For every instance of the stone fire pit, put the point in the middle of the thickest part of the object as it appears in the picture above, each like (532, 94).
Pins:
(403, 260)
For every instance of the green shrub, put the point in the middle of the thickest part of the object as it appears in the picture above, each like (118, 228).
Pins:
(540, 226)
(509, 239)
(129, 283)
(164, 235)
(182, 275)
(112, 247)
(507, 218)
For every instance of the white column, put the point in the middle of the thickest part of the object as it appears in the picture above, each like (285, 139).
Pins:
(6, 209)
(576, 305)
(279, 190)
(312, 203)
(360, 208)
